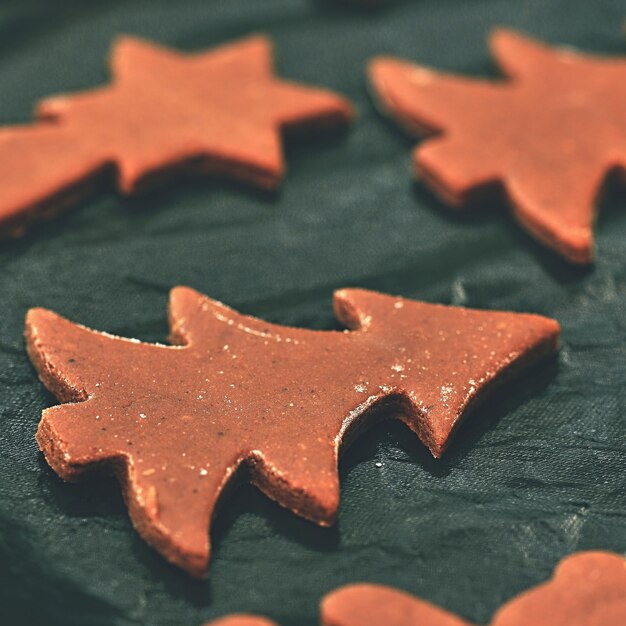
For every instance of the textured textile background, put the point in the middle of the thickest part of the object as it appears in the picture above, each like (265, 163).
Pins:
(537, 473)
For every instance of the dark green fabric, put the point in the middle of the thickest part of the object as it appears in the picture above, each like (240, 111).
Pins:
(537, 473)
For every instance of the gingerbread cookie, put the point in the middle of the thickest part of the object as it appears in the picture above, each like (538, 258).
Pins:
(240, 398)
(216, 112)
(548, 136)
(372, 605)
(588, 589)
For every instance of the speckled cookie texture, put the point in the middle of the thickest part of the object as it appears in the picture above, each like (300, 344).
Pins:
(165, 113)
(238, 398)
(548, 136)
(588, 589)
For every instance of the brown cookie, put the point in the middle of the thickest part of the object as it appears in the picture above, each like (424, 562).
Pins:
(216, 112)
(588, 589)
(240, 397)
(373, 605)
(548, 136)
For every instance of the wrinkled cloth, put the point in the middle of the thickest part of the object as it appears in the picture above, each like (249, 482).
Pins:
(537, 472)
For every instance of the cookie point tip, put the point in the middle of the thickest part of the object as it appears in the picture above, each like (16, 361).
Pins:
(378, 67)
(499, 32)
(123, 42)
(37, 315)
(261, 42)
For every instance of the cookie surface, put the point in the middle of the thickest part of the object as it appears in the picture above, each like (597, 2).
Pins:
(587, 589)
(548, 136)
(241, 398)
(216, 112)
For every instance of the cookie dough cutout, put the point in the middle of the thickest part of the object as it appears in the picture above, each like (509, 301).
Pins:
(548, 135)
(165, 113)
(239, 399)
(587, 589)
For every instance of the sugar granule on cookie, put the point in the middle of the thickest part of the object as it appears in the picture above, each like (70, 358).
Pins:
(240, 398)
(164, 113)
(587, 589)
(548, 136)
